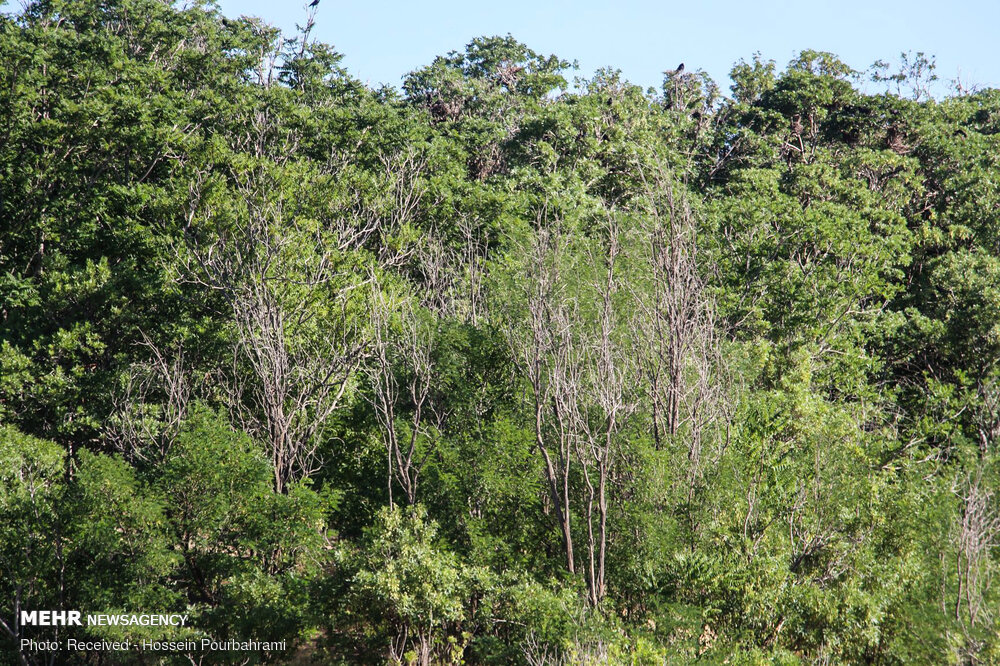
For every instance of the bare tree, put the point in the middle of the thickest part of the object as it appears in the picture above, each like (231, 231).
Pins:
(404, 353)
(297, 346)
(677, 321)
(295, 286)
(589, 332)
(976, 535)
(607, 398)
(453, 277)
(576, 352)
(435, 266)
(583, 653)
(375, 222)
(473, 256)
(150, 406)
(976, 532)
(540, 340)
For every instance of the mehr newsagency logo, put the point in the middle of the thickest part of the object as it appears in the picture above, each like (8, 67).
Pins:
(50, 618)
(71, 618)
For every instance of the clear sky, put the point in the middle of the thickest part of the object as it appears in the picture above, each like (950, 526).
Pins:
(382, 40)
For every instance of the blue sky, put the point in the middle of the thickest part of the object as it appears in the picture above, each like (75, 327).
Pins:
(382, 40)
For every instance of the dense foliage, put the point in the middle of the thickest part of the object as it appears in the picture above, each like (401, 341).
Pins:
(494, 369)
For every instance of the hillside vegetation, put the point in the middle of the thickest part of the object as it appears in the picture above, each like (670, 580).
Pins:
(503, 367)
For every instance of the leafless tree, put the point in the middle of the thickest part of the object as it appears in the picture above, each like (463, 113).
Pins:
(435, 266)
(540, 341)
(976, 533)
(150, 406)
(606, 399)
(297, 346)
(453, 278)
(403, 352)
(376, 223)
(296, 287)
(474, 253)
(574, 347)
(590, 331)
(676, 317)
(583, 653)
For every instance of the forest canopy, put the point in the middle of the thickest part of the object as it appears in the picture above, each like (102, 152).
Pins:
(506, 366)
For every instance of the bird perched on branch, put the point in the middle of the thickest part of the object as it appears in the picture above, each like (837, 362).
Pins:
(679, 70)
(314, 3)
(797, 125)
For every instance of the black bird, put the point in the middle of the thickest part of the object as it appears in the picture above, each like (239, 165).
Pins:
(679, 70)
(314, 3)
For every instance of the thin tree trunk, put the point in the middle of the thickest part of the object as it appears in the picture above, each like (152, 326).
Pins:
(550, 474)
